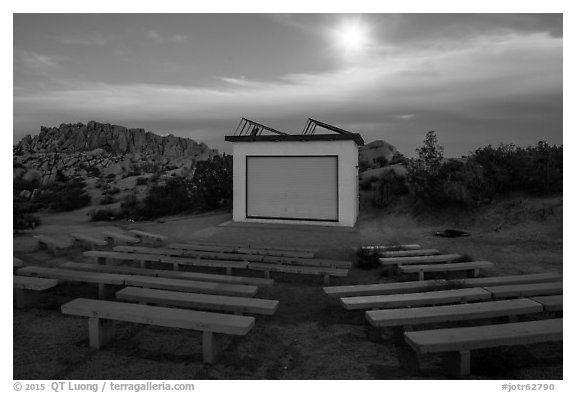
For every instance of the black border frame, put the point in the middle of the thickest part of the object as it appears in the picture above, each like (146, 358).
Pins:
(294, 156)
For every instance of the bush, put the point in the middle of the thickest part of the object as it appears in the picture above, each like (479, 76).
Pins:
(387, 189)
(66, 196)
(107, 200)
(171, 198)
(103, 215)
(212, 183)
(22, 219)
(113, 191)
(367, 259)
(141, 181)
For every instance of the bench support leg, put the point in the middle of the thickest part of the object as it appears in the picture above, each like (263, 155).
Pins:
(420, 275)
(106, 291)
(24, 298)
(212, 346)
(143, 264)
(229, 271)
(457, 364)
(101, 261)
(100, 331)
(266, 273)
(326, 279)
(176, 266)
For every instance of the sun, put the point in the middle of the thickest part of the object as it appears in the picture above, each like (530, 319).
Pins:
(352, 36)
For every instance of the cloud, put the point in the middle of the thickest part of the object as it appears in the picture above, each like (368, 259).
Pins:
(490, 77)
(160, 38)
(88, 40)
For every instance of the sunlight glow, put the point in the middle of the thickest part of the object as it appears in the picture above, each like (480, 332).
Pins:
(352, 37)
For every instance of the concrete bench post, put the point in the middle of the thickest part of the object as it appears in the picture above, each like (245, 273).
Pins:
(457, 364)
(100, 331)
(326, 279)
(106, 291)
(229, 271)
(213, 345)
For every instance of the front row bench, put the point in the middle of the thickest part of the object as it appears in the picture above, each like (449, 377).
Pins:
(101, 315)
(458, 342)
(27, 289)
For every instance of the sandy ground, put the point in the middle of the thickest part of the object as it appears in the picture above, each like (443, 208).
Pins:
(311, 336)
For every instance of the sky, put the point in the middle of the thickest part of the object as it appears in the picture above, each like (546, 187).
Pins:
(475, 79)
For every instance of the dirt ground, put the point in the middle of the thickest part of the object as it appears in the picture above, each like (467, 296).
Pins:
(311, 336)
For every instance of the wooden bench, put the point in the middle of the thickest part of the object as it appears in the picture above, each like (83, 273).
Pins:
(93, 267)
(326, 272)
(88, 242)
(173, 284)
(53, 245)
(198, 301)
(404, 319)
(474, 267)
(420, 286)
(526, 290)
(408, 253)
(399, 247)
(102, 313)
(511, 280)
(335, 263)
(120, 238)
(384, 289)
(217, 255)
(149, 237)
(458, 342)
(103, 256)
(257, 246)
(106, 282)
(27, 289)
(424, 259)
(552, 303)
(415, 299)
(277, 253)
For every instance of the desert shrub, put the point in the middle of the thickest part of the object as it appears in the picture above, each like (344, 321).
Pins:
(113, 191)
(171, 198)
(103, 215)
(66, 196)
(141, 181)
(387, 189)
(107, 199)
(212, 183)
(110, 176)
(367, 258)
(22, 219)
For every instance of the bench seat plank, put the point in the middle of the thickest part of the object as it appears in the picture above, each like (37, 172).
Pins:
(486, 336)
(338, 264)
(218, 255)
(197, 300)
(317, 270)
(127, 256)
(160, 316)
(455, 312)
(34, 283)
(424, 259)
(261, 282)
(550, 303)
(409, 253)
(398, 247)
(89, 240)
(511, 280)
(120, 237)
(415, 299)
(203, 247)
(525, 290)
(383, 289)
(212, 288)
(475, 266)
(70, 275)
(278, 253)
